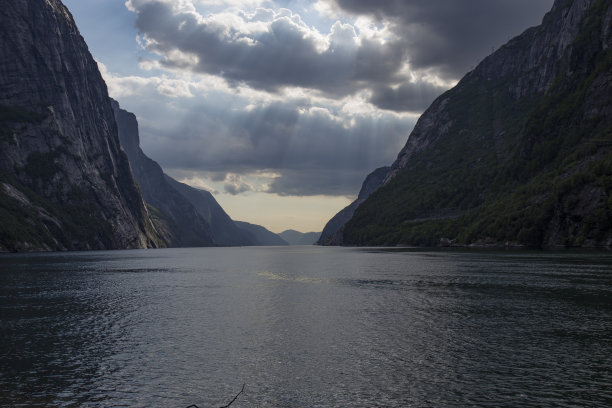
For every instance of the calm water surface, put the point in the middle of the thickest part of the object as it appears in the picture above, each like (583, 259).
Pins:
(306, 327)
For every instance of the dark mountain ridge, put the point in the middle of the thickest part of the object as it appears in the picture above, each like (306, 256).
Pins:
(65, 183)
(184, 216)
(225, 230)
(175, 218)
(518, 153)
(262, 235)
(370, 184)
(294, 237)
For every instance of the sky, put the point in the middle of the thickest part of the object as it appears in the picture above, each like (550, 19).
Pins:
(280, 108)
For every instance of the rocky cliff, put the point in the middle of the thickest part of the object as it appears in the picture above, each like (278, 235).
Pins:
(183, 215)
(178, 222)
(518, 153)
(65, 183)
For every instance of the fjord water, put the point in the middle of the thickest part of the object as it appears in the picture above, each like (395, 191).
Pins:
(306, 327)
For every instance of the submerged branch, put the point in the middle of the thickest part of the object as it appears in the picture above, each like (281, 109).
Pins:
(224, 406)
(235, 398)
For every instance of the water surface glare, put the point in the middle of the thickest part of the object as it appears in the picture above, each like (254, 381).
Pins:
(306, 327)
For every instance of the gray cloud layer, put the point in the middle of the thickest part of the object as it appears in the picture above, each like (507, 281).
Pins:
(407, 97)
(313, 182)
(312, 151)
(281, 56)
(448, 36)
(284, 55)
(452, 35)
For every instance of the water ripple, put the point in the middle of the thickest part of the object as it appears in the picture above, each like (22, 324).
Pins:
(306, 327)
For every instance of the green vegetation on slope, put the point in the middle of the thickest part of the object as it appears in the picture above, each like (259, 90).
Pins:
(535, 171)
(40, 224)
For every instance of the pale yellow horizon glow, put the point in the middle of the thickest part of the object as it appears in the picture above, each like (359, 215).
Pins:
(280, 213)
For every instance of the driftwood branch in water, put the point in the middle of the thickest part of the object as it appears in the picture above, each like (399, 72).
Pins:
(235, 398)
(224, 406)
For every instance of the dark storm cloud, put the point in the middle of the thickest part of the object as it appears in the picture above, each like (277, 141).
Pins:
(278, 136)
(317, 182)
(448, 36)
(285, 54)
(283, 138)
(408, 97)
(451, 36)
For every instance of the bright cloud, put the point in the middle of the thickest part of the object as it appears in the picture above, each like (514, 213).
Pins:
(271, 50)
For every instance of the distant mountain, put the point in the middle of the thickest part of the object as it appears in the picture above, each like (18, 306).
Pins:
(294, 237)
(224, 229)
(371, 183)
(518, 153)
(261, 235)
(65, 183)
(175, 217)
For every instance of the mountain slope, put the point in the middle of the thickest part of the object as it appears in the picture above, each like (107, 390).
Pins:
(293, 237)
(261, 235)
(65, 183)
(518, 153)
(223, 228)
(370, 184)
(176, 218)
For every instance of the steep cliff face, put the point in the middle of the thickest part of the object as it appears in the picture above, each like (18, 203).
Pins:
(518, 153)
(183, 215)
(174, 216)
(65, 183)
(521, 71)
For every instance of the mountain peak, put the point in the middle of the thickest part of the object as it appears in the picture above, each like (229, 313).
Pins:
(517, 153)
